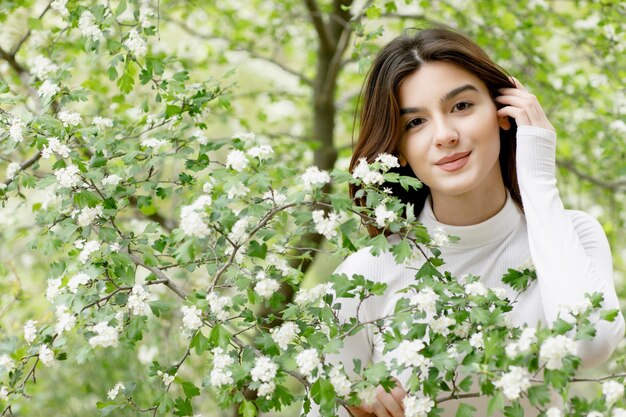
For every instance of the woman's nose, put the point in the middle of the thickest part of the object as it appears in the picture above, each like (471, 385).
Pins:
(445, 134)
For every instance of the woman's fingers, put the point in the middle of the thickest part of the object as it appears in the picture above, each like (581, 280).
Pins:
(523, 106)
(392, 406)
(520, 116)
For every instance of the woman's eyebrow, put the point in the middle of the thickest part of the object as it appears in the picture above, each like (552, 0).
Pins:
(449, 95)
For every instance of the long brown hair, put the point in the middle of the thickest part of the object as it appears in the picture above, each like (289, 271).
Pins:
(380, 129)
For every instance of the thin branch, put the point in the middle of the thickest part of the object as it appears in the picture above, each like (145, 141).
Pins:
(164, 279)
(17, 47)
(322, 29)
(609, 185)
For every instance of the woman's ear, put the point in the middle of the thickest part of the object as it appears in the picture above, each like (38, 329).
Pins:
(402, 160)
(504, 122)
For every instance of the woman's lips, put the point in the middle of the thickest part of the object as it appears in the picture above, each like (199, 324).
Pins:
(455, 164)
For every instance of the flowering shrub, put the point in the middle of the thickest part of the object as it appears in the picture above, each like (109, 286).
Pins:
(96, 182)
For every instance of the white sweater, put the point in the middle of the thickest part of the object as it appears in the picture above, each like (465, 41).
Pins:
(568, 248)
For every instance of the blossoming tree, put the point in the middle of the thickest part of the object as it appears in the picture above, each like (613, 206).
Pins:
(104, 131)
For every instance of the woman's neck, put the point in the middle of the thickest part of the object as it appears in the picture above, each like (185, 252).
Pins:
(469, 208)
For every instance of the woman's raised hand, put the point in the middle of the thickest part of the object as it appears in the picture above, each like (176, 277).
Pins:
(387, 404)
(522, 106)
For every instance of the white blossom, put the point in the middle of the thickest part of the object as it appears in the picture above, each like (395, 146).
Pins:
(12, 169)
(528, 264)
(166, 378)
(387, 161)
(278, 198)
(112, 394)
(244, 136)
(102, 122)
(138, 301)
(192, 317)
(65, 320)
(146, 354)
(441, 325)
(69, 118)
(105, 335)
(55, 146)
(266, 287)
(145, 13)
(48, 89)
(425, 300)
(237, 190)
(238, 233)
(499, 292)
(308, 361)
(4, 393)
(554, 349)
(219, 377)
(237, 160)
(514, 383)
(87, 26)
(313, 177)
(89, 248)
(362, 171)
(153, 143)
(68, 177)
(384, 216)
(417, 407)
(80, 278)
(523, 344)
(191, 222)
(264, 370)
(30, 331)
(61, 7)
(16, 130)
(41, 67)
(618, 412)
(612, 391)
(476, 341)
(285, 334)
(46, 355)
(88, 215)
(266, 389)
(340, 381)
(367, 395)
(112, 179)
(279, 263)
(262, 152)
(218, 305)
(114, 247)
(201, 138)
(554, 412)
(595, 414)
(439, 237)
(326, 226)
(475, 289)
(312, 295)
(6, 363)
(407, 354)
(136, 44)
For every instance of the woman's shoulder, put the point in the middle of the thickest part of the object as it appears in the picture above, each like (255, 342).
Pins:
(588, 228)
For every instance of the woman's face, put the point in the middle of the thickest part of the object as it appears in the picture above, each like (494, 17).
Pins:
(451, 135)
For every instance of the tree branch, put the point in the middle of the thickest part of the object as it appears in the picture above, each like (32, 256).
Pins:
(19, 44)
(609, 185)
(322, 29)
(164, 279)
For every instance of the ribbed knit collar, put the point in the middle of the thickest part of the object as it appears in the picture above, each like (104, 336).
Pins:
(496, 228)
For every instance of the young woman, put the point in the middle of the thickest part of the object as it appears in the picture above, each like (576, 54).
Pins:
(485, 151)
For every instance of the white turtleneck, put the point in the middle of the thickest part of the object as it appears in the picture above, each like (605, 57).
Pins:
(569, 250)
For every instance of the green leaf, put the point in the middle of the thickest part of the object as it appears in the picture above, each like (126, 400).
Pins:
(428, 270)
(496, 403)
(247, 409)
(539, 395)
(517, 280)
(183, 407)
(200, 343)
(514, 410)
(190, 389)
(609, 315)
(126, 82)
(323, 394)
(219, 336)
(401, 251)
(256, 250)
(465, 410)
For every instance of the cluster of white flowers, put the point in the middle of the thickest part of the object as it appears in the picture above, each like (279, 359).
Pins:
(499, 292)
(417, 407)
(80, 278)
(363, 172)
(279, 263)
(191, 222)
(237, 160)
(48, 89)
(238, 233)
(285, 334)
(88, 215)
(66, 320)
(145, 12)
(439, 237)
(523, 344)
(6, 363)
(192, 318)
(278, 198)
(312, 295)
(265, 288)
(30, 331)
(16, 129)
(514, 383)
(554, 349)
(462, 330)
(146, 354)
(53, 289)
(218, 305)
(4, 393)
(41, 67)
(264, 371)
(46, 355)
(238, 190)
(220, 375)
(153, 143)
(136, 44)
(12, 169)
(200, 137)
(387, 161)
(476, 288)
(105, 335)
(262, 152)
(67, 177)
(528, 264)
(87, 26)
(441, 325)
(87, 249)
(112, 394)
(69, 118)
(102, 122)
(55, 146)
(138, 301)
(618, 412)
(308, 361)
(340, 381)
(367, 395)
(247, 137)
(60, 6)
(384, 216)
(476, 341)
(326, 226)
(554, 412)
(568, 312)
(425, 300)
(112, 179)
(407, 353)
(166, 378)
(612, 391)
(313, 177)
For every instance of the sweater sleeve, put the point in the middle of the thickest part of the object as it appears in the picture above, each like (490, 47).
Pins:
(571, 253)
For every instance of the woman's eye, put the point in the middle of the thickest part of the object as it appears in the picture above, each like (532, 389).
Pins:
(464, 105)
(413, 123)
